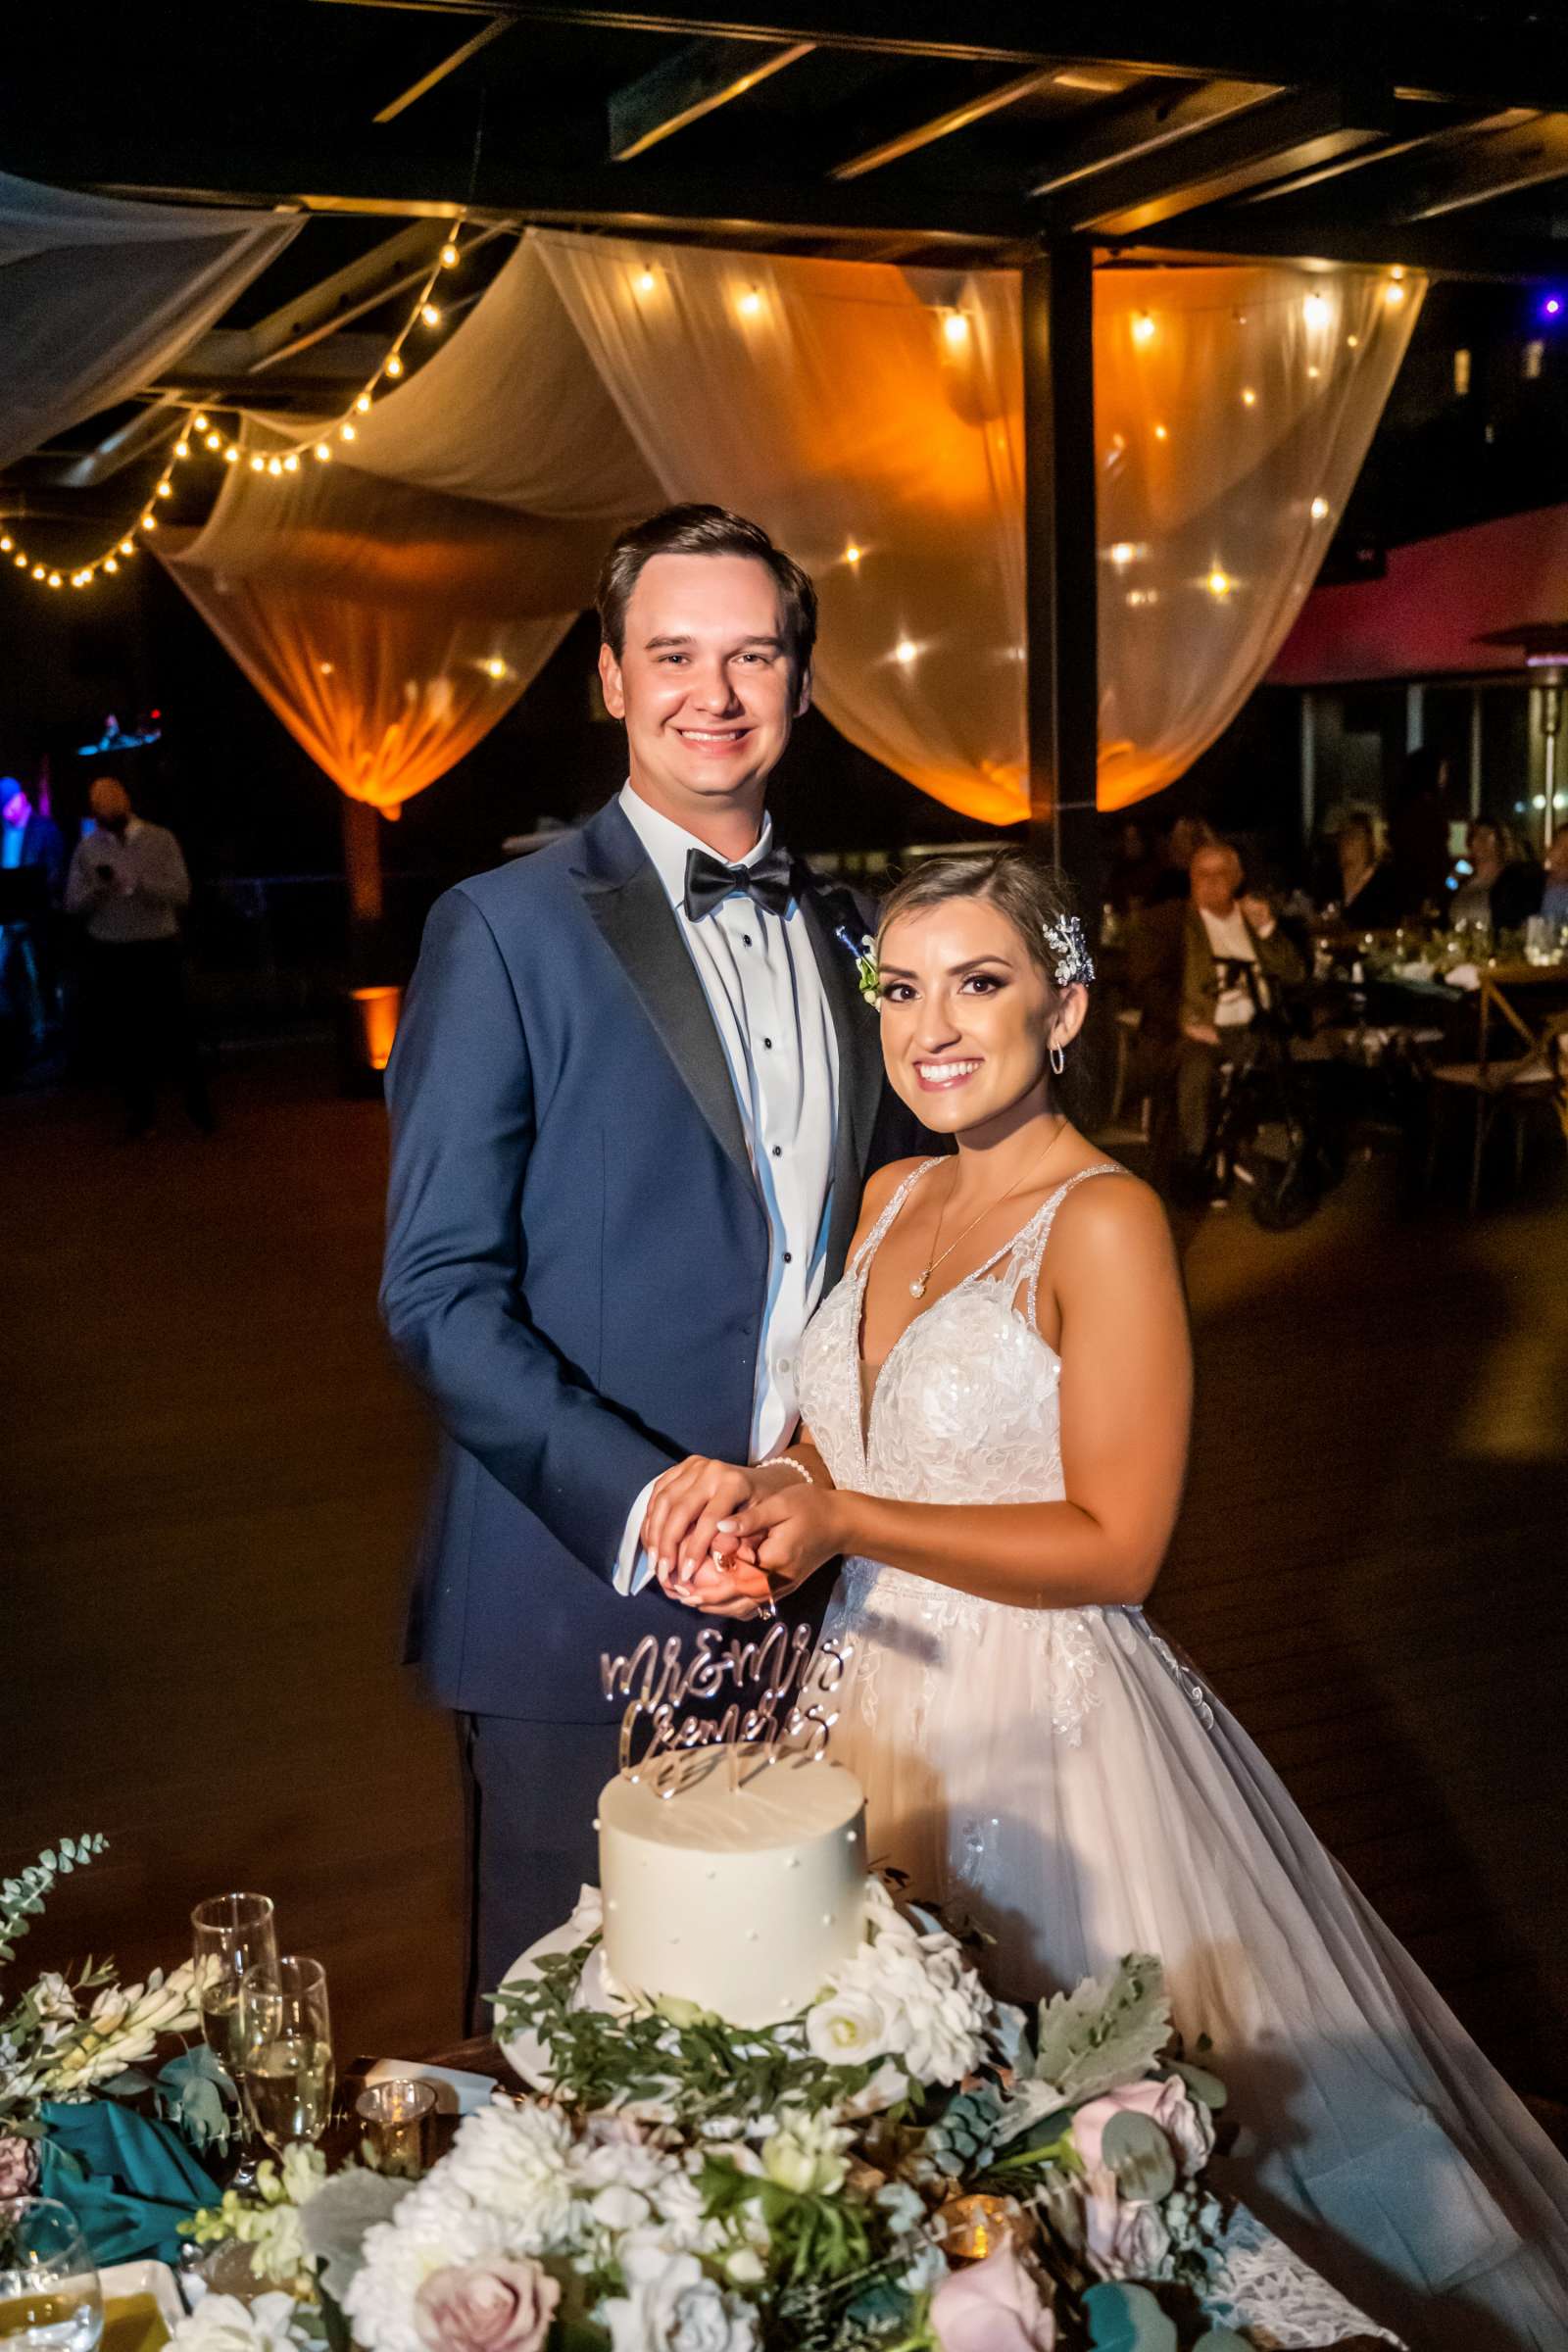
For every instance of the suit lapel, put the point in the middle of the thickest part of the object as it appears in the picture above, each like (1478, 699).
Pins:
(626, 901)
(859, 1041)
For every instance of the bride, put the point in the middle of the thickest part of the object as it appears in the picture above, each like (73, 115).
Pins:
(996, 1406)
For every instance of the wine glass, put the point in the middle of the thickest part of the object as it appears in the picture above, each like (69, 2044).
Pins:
(49, 2295)
(286, 2065)
(231, 1935)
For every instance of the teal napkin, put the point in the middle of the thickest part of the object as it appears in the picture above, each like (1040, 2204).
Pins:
(127, 2179)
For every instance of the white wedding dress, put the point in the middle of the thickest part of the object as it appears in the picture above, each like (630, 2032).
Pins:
(1064, 1777)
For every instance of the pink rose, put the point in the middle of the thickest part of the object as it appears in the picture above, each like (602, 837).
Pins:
(992, 2306)
(19, 2165)
(497, 2306)
(1184, 2123)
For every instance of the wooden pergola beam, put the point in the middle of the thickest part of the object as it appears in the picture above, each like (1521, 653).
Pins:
(695, 81)
(448, 65)
(925, 133)
(1410, 45)
(1249, 146)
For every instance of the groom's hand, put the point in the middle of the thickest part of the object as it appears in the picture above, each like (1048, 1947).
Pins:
(723, 1588)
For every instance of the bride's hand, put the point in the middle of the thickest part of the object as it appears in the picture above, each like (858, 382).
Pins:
(791, 1533)
(687, 1503)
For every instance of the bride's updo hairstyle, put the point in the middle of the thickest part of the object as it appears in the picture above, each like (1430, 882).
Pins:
(1037, 899)
(1034, 896)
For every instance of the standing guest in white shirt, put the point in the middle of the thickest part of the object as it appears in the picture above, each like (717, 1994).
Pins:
(1200, 972)
(634, 1096)
(128, 884)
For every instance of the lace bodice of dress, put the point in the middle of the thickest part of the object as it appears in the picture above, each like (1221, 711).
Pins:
(965, 1407)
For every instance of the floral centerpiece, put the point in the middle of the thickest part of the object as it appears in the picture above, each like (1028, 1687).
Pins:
(81, 2035)
(908, 2164)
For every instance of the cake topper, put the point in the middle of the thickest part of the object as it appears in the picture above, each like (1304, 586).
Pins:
(782, 1688)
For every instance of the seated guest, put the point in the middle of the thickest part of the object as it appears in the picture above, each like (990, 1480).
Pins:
(1187, 836)
(1503, 888)
(1199, 973)
(1369, 892)
(1555, 897)
(1134, 873)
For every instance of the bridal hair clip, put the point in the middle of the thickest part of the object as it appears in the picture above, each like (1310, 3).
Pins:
(867, 977)
(1066, 941)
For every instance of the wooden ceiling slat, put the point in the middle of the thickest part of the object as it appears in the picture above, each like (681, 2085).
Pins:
(695, 81)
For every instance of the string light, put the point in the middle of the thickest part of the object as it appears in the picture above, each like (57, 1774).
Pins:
(1315, 310)
(956, 328)
(647, 282)
(852, 554)
(1161, 433)
(1219, 584)
(1320, 508)
(196, 432)
(1394, 293)
(1142, 328)
(749, 303)
(495, 668)
(1249, 397)
(904, 651)
(1123, 554)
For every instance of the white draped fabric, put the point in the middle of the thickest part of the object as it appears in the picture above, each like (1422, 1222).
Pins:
(97, 296)
(871, 417)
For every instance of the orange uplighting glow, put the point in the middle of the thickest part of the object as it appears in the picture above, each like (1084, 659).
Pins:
(378, 1022)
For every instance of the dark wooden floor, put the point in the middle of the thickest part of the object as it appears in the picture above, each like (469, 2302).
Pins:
(213, 1473)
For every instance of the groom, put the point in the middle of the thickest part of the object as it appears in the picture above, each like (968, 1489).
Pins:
(634, 1097)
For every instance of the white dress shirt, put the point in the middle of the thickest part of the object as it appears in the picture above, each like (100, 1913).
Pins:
(765, 993)
(1231, 943)
(150, 884)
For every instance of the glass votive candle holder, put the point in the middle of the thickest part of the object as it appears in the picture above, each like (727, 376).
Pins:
(395, 2116)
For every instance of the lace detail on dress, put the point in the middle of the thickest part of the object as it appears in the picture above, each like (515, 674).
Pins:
(965, 1410)
(1128, 1624)
(1259, 2287)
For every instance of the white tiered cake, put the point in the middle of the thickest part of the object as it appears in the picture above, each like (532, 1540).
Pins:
(741, 1893)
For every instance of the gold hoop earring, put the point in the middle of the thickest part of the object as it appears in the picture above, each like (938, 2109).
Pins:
(1059, 1060)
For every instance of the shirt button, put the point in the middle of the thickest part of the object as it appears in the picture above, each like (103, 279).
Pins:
(778, 1151)
(769, 1042)
(746, 938)
(783, 1363)
(789, 1258)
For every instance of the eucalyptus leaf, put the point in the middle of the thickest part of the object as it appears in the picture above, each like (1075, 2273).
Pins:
(127, 2084)
(1138, 2154)
(1206, 2089)
(1127, 2319)
(335, 2219)
(1109, 2032)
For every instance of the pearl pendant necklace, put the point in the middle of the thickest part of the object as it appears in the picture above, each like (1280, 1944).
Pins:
(918, 1288)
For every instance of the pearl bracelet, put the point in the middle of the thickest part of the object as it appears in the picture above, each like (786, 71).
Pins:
(787, 1461)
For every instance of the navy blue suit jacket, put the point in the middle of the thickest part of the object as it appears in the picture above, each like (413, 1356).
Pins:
(577, 1253)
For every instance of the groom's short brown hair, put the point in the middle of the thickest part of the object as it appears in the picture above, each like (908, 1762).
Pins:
(704, 530)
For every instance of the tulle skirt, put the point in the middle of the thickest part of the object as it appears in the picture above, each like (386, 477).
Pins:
(1067, 1781)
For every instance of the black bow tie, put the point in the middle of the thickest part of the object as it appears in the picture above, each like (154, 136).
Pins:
(708, 880)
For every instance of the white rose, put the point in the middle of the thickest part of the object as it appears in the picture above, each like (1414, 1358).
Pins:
(848, 2029)
(619, 2209)
(707, 2320)
(670, 2306)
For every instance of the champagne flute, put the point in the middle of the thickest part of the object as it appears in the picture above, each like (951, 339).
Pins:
(50, 2299)
(287, 2062)
(231, 1935)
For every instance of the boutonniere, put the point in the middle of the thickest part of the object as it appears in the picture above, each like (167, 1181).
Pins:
(867, 977)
